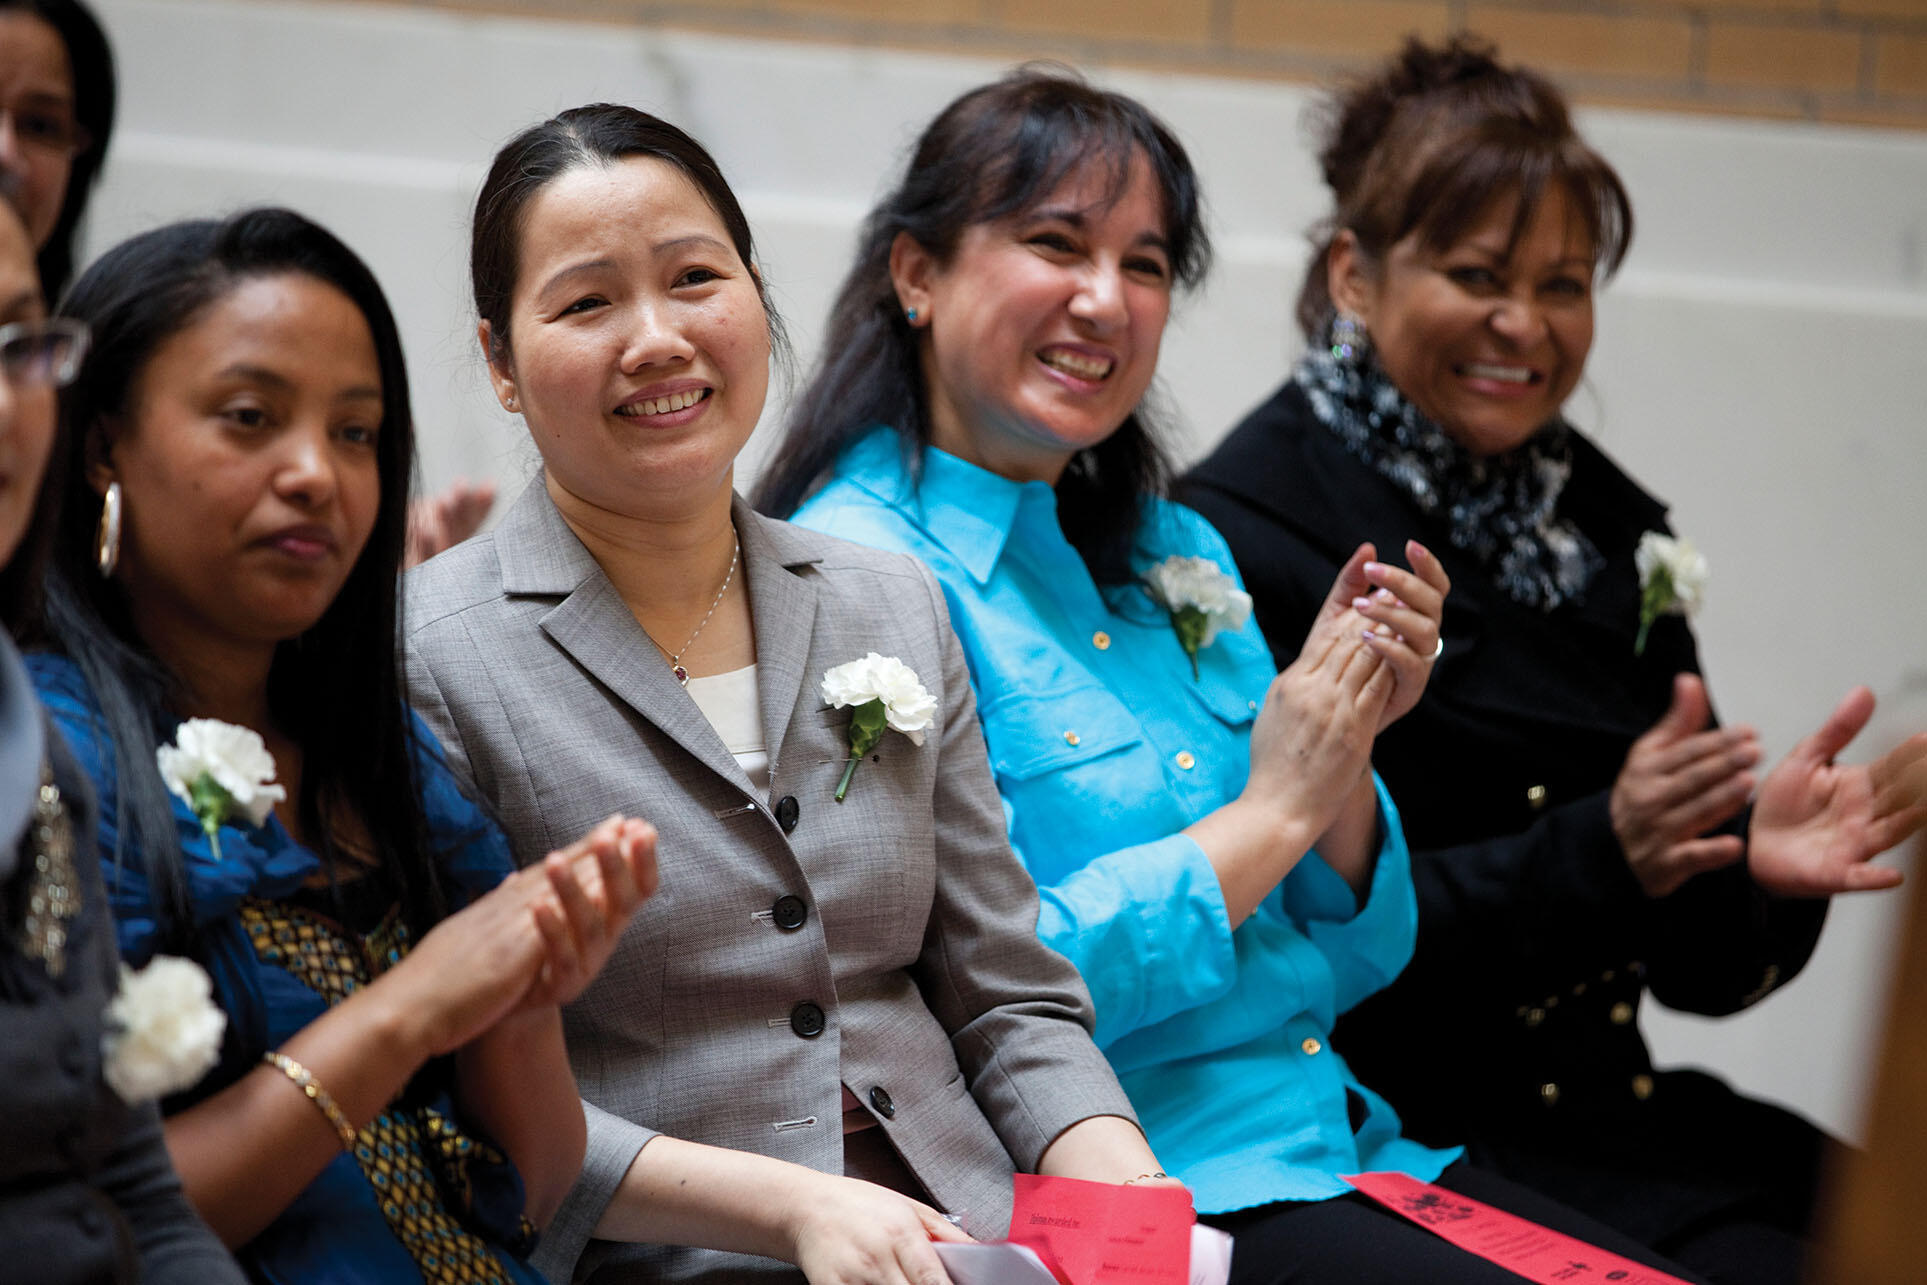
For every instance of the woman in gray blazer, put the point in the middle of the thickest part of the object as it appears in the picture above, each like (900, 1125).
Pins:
(839, 979)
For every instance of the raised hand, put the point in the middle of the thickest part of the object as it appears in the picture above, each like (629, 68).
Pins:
(597, 882)
(1817, 824)
(1409, 610)
(858, 1233)
(438, 522)
(1680, 780)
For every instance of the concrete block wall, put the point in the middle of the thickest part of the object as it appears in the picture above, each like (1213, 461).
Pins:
(1863, 61)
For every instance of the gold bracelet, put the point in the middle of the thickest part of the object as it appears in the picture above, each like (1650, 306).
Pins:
(1144, 1177)
(305, 1081)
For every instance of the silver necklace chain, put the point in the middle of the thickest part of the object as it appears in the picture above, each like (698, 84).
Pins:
(675, 661)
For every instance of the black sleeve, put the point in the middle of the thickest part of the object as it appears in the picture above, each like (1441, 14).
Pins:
(176, 1247)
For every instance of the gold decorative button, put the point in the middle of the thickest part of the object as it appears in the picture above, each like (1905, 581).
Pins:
(1549, 1094)
(1607, 976)
(1578, 989)
(1534, 1016)
(1311, 1046)
(1185, 760)
(1536, 796)
(1101, 640)
(1622, 1013)
(1642, 1087)
(1072, 738)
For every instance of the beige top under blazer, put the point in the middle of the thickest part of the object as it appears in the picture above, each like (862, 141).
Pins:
(796, 944)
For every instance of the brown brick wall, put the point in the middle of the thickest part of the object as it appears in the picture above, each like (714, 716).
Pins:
(1861, 61)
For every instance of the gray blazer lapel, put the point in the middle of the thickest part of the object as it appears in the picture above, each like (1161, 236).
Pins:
(782, 605)
(541, 557)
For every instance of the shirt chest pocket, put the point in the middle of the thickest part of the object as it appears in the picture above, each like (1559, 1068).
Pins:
(1034, 734)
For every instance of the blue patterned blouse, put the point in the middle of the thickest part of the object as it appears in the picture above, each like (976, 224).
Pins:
(423, 1197)
(1105, 748)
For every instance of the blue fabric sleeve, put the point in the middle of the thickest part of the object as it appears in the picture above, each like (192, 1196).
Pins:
(1366, 945)
(471, 849)
(1148, 929)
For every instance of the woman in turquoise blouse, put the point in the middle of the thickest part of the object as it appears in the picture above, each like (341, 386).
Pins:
(1213, 851)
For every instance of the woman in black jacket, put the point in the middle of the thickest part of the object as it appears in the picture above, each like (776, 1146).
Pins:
(1580, 830)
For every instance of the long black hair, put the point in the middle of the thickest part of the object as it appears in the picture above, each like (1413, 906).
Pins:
(95, 92)
(337, 690)
(995, 152)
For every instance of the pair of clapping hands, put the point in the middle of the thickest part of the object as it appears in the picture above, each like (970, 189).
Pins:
(536, 939)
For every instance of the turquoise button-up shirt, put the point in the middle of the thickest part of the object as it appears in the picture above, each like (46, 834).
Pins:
(1105, 749)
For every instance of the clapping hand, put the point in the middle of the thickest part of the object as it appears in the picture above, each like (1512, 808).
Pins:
(1681, 779)
(596, 884)
(444, 520)
(1817, 824)
(1400, 613)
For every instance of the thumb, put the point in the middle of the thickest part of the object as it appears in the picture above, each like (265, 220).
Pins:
(1689, 712)
(1848, 717)
(1351, 582)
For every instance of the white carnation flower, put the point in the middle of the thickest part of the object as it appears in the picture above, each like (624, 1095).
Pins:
(1683, 565)
(907, 706)
(163, 1030)
(1202, 599)
(235, 759)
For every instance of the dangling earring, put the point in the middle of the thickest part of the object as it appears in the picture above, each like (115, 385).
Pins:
(1349, 340)
(107, 537)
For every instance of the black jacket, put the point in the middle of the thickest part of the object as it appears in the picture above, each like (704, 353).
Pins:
(86, 1190)
(1514, 1029)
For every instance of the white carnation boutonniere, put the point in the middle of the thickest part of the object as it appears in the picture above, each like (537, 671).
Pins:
(1202, 599)
(1672, 581)
(163, 1030)
(222, 772)
(884, 694)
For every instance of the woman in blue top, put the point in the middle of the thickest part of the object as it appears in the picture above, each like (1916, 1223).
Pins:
(392, 1101)
(1213, 850)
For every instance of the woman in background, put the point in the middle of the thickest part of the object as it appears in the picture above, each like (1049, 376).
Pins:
(1581, 833)
(392, 1101)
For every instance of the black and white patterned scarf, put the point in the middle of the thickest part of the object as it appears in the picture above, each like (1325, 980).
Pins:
(1499, 508)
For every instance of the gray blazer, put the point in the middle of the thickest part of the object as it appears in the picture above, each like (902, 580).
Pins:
(796, 944)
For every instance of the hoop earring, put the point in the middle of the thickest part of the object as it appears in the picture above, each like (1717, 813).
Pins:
(107, 535)
(1349, 341)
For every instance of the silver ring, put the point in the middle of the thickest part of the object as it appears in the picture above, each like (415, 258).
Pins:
(1438, 650)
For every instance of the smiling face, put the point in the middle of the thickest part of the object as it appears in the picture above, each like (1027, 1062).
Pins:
(36, 139)
(247, 465)
(1041, 331)
(1486, 338)
(26, 410)
(638, 345)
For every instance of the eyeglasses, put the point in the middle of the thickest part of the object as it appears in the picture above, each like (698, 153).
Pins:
(47, 129)
(42, 353)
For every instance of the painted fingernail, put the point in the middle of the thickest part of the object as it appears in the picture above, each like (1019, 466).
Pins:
(1385, 595)
(1360, 604)
(1371, 567)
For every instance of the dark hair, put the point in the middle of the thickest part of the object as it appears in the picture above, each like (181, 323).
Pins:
(1432, 140)
(337, 689)
(599, 134)
(20, 577)
(94, 94)
(992, 153)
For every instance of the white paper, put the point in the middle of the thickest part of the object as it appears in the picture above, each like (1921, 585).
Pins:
(993, 1264)
(1006, 1264)
(1210, 1256)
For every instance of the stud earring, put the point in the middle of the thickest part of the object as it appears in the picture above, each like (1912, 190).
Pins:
(1349, 340)
(107, 536)
(910, 315)
(510, 405)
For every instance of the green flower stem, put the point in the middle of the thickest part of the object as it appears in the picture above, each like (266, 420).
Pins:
(211, 804)
(1653, 602)
(1191, 624)
(867, 723)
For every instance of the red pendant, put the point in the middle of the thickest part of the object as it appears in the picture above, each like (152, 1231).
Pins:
(682, 675)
